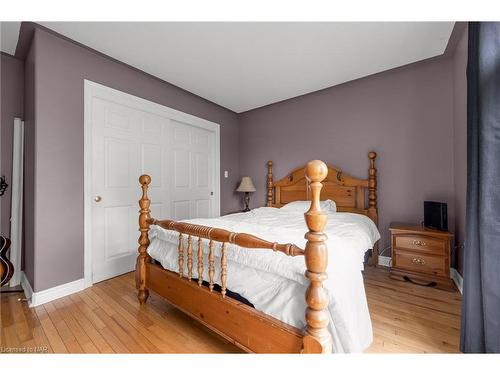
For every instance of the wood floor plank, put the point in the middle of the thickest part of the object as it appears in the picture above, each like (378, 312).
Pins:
(80, 335)
(40, 339)
(2, 337)
(23, 330)
(129, 323)
(129, 342)
(62, 328)
(193, 334)
(413, 323)
(107, 318)
(155, 334)
(89, 302)
(437, 317)
(157, 315)
(183, 333)
(80, 299)
(94, 335)
(5, 311)
(401, 297)
(177, 338)
(50, 331)
(11, 339)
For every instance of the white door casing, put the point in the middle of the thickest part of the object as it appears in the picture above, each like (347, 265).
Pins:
(126, 136)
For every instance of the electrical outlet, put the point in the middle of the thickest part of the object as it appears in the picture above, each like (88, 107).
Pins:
(226, 174)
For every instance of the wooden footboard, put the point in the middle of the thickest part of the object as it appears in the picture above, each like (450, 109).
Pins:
(246, 327)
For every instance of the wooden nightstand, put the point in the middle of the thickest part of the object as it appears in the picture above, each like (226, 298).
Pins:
(421, 255)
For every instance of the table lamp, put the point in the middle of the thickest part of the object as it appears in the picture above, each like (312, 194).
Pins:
(246, 186)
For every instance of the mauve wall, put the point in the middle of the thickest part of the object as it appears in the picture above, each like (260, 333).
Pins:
(460, 142)
(61, 67)
(12, 105)
(29, 166)
(405, 115)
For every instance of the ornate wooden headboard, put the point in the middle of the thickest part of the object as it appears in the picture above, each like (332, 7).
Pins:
(349, 193)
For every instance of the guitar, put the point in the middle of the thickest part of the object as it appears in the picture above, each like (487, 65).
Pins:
(6, 267)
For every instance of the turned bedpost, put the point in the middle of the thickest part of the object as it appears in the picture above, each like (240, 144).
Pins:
(143, 257)
(317, 338)
(372, 200)
(269, 200)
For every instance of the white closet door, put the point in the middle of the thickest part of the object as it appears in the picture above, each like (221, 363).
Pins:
(122, 148)
(126, 142)
(192, 162)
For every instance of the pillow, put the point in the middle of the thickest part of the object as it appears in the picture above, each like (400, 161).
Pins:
(302, 206)
(328, 206)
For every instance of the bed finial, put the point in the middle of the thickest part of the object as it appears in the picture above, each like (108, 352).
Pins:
(269, 200)
(317, 338)
(142, 258)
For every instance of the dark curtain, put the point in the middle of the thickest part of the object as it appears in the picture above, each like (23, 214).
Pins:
(481, 298)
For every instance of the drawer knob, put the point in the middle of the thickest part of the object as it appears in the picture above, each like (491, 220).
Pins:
(419, 243)
(418, 261)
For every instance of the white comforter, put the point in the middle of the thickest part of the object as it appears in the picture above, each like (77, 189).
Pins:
(275, 283)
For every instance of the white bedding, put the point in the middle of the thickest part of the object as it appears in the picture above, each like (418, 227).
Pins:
(275, 283)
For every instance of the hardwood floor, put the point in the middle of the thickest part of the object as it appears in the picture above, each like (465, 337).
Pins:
(408, 318)
(106, 318)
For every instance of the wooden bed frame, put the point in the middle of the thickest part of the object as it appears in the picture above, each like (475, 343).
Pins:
(244, 326)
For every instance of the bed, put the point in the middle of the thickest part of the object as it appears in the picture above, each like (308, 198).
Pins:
(219, 272)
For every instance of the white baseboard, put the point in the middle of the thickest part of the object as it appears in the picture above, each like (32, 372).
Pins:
(28, 290)
(457, 279)
(384, 261)
(47, 295)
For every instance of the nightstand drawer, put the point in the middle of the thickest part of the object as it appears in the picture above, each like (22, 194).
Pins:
(420, 243)
(434, 265)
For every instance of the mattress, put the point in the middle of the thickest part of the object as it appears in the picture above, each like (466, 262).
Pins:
(275, 283)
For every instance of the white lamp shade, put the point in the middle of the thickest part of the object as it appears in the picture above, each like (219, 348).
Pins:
(246, 185)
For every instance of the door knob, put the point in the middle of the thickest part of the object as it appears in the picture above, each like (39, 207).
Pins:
(97, 198)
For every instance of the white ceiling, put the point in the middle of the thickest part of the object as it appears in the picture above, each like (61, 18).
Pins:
(9, 33)
(242, 66)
